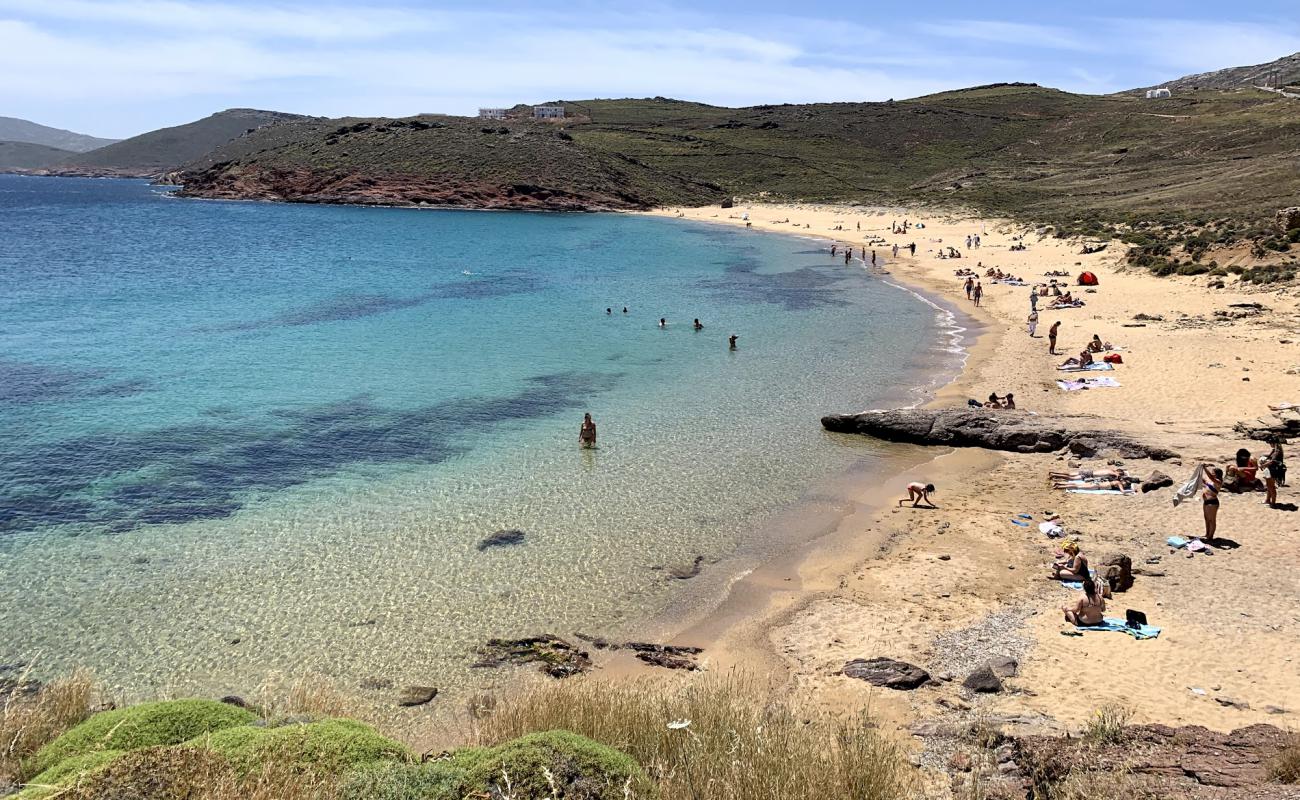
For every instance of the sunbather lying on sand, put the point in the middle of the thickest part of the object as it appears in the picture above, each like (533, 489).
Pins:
(1084, 359)
(1084, 474)
(1089, 608)
(1119, 484)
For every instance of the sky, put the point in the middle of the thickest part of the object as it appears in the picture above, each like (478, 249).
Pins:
(120, 67)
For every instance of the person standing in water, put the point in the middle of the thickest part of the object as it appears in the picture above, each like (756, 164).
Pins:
(663, 323)
(833, 247)
(609, 311)
(587, 433)
(731, 341)
(848, 253)
(624, 309)
(698, 325)
(873, 258)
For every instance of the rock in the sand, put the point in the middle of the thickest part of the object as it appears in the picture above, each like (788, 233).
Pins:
(1158, 480)
(555, 656)
(1231, 702)
(413, 696)
(1267, 431)
(684, 572)
(983, 680)
(668, 656)
(886, 672)
(1004, 666)
(503, 538)
(994, 430)
(1117, 570)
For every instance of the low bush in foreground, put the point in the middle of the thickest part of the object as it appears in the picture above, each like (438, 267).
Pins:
(28, 723)
(327, 746)
(1286, 766)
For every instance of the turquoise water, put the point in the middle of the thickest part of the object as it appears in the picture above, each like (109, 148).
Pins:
(244, 438)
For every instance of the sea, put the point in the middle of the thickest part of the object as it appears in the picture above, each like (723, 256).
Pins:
(246, 439)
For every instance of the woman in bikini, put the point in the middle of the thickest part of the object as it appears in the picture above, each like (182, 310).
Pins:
(1212, 482)
(1089, 609)
(1074, 567)
(587, 433)
(919, 492)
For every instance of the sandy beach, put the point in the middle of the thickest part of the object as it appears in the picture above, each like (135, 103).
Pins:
(948, 588)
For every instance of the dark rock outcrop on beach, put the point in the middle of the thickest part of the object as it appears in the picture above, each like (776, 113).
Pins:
(1157, 480)
(1166, 761)
(983, 681)
(1268, 430)
(413, 696)
(993, 430)
(554, 656)
(668, 656)
(887, 672)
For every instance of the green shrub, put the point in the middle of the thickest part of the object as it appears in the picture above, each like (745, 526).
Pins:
(331, 745)
(555, 763)
(436, 780)
(136, 727)
(66, 771)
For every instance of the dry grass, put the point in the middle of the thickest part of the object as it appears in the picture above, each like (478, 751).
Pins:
(1116, 785)
(27, 722)
(309, 694)
(741, 741)
(1285, 767)
(1108, 724)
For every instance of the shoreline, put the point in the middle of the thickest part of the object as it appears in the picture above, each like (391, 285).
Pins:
(882, 583)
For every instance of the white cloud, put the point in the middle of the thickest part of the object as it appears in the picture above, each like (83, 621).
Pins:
(1019, 34)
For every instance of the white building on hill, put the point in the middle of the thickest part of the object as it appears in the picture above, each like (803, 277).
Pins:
(1157, 94)
(492, 113)
(548, 112)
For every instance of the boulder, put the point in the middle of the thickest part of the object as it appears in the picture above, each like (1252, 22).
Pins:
(416, 696)
(503, 538)
(555, 656)
(887, 672)
(666, 655)
(1288, 219)
(994, 430)
(1158, 480)
(1004, 666)
(983, 680)
(1117, 570)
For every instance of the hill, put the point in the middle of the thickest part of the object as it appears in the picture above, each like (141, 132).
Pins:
(1280, 73)
(13, 129)
(1008, 148)
(27, 156)
(153, 154)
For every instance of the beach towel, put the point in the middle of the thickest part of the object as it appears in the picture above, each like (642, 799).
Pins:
(1088, 383)
(1176, 542)
(1052, 529)
(1019, 522)
(1112, 624)
(1100, 491)
(1096, 366)
(1191, 485)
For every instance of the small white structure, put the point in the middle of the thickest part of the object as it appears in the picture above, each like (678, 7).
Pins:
(548, 112)
(1157, 94)
(492, 113)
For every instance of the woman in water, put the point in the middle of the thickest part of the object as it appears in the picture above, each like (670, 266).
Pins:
(587, 433)
(919, 492)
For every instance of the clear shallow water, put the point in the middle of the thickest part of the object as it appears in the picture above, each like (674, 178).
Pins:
(242, 438)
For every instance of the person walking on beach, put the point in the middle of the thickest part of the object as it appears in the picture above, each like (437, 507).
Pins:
(731, 341)
(587, 433)
(1033, 323)
(978, 292)
(970, 284)
(1051, 337)
(895, 251)
(873, 258)
(1033, 298)
(913, 246)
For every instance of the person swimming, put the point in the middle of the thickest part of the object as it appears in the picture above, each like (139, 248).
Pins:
(731, 341)
(663, 323)
(624, 309)
(587, 433)
(609, 311)
(699, 326)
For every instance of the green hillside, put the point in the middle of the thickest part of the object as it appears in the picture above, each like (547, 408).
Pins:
(1005, 148)
(25, 155)
(157, 152)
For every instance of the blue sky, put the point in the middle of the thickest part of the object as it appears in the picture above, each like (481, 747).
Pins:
(121, 67)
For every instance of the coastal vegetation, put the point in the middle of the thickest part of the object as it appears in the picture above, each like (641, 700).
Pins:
(719, 737)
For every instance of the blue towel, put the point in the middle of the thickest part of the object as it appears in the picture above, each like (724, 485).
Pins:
(1096, 366)
(1176, 542)
(1020, 523)
(1112, 624)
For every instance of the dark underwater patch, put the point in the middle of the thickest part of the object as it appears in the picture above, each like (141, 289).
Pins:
(357, 306)
(23, 382)
(794, 290)
(209, 470)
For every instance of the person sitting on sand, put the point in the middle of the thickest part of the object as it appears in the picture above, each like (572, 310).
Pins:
(1241, 476)
(587, 433)
(1089, 608)
(1074, 567)
(1009, 401)
(1096, 345)
(994, 401)
(919, 493)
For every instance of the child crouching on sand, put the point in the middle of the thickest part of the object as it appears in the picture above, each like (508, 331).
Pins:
(918, 493)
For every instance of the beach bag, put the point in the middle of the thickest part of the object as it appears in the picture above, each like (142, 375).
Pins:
(1087, 279)
(1114, 358)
